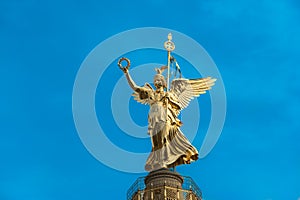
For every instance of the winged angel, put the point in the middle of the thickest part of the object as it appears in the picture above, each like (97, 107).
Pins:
(169, 145)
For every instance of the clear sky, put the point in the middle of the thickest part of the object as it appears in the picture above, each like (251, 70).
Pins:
(255, 45)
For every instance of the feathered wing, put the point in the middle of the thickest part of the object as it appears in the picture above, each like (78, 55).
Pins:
(186, 89)
(141, 95)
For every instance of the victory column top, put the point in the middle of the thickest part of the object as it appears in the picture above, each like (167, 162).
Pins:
(170, 147)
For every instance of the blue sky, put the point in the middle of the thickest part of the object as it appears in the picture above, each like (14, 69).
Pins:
(255, 45)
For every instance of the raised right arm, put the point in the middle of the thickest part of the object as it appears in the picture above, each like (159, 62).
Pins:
(126, 72)
(130, 81)
(141, 93)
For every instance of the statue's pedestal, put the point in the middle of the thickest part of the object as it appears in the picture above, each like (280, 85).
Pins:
(164, 184)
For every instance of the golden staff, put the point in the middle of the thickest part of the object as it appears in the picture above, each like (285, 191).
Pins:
(169, 46)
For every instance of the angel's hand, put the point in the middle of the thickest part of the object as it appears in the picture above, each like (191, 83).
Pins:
(167, 95)
(124, 69)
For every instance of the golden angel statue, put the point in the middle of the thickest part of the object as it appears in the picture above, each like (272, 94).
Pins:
(170, 147)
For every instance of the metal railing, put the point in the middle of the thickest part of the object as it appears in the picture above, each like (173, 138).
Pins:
(189, 191)
(138, 185)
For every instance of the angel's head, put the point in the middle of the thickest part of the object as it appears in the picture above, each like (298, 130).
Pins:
(159, 79)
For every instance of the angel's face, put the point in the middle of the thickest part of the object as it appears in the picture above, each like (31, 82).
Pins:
(158, 83)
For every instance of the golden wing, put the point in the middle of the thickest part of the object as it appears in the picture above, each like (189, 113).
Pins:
(186, 89)
(141, 94)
